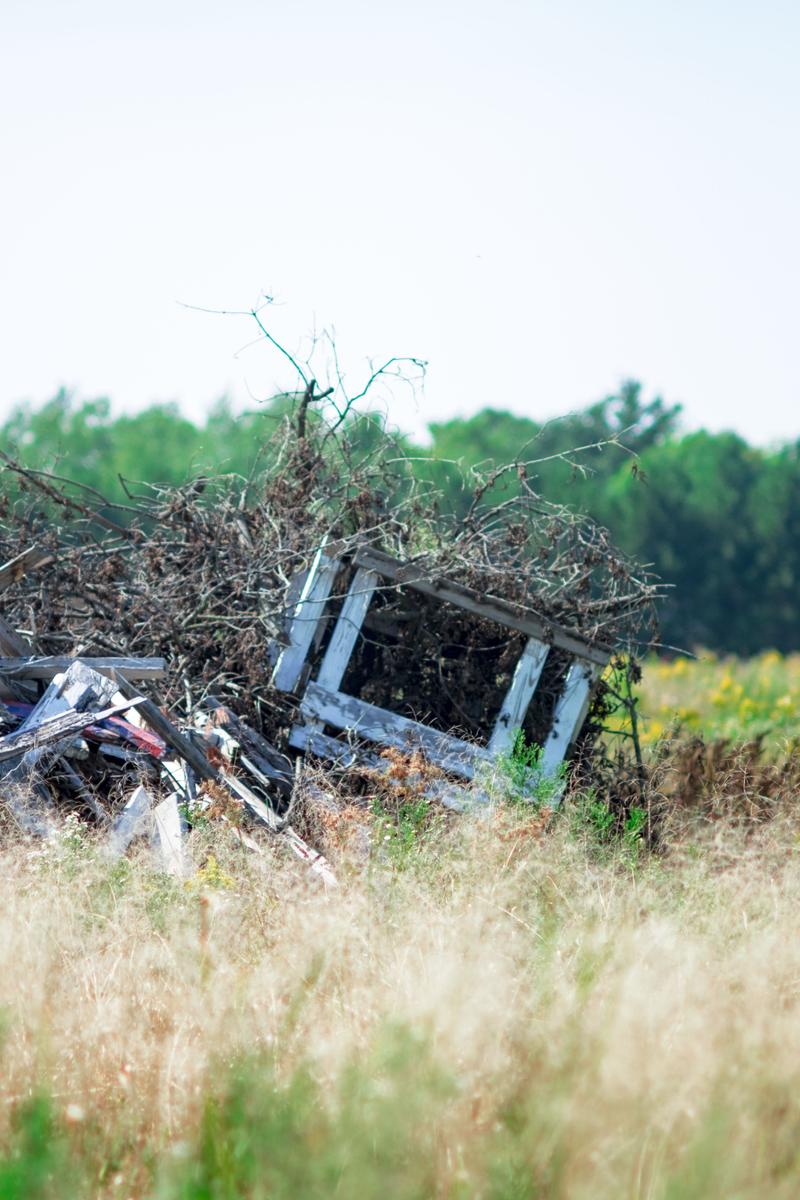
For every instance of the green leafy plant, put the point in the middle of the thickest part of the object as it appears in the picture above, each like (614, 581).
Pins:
(519, 777)
(596, 819)
(635, 823)
(398, 827)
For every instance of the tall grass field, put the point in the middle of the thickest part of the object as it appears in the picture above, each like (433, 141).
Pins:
(507, 1005)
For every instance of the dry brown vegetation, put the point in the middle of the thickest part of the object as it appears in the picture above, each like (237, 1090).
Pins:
(564, 1019)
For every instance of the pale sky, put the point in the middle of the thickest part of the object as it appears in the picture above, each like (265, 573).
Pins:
(538, 198)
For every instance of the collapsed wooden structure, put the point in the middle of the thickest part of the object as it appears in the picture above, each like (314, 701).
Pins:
(63, 732)
(324, 703)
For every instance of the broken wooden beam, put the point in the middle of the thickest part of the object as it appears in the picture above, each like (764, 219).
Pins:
(373, 724)
(12, 642)
(56, 729)
(45, 667)
(129, 822)
(269, 761)
(482, 604)
(162, 725)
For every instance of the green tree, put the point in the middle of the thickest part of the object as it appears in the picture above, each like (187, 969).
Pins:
(493, 437)
(709, 511)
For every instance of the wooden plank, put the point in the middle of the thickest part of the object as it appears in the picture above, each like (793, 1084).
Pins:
(312, 858)
(253, 803)
(503, 612)
(347, 629)
(78, 688)
(132, 820)
(345, 634)
(267, 759)
(55, 729)
(34, 667)
(255, 767)
(570, 713)
(293, 592)
(444, 791)
(378, 725)
(515, 703)
(169, 837)
(17, 568)
(309, 738)
(177, 773)
(161, 725)
(12, 642)
(307, 614)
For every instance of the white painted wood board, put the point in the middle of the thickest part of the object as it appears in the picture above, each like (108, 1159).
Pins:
(519, 695)
(308, 612)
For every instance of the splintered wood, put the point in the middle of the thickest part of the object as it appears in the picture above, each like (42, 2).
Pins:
(67, 742)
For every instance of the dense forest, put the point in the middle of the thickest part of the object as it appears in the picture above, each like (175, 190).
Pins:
(718, 519)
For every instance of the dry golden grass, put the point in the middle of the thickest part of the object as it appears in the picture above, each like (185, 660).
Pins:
(598, 1024)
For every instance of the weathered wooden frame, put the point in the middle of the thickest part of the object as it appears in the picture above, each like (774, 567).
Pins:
(324, 703)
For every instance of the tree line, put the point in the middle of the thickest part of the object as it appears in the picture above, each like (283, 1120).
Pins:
(718, 519)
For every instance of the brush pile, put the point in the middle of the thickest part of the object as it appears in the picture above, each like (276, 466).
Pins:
(199, 586)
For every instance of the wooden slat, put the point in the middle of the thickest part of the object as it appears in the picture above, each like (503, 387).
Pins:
(312, 858)
(130, 821)
(175, 772)
(17, 568)
(307, 614)
(347, 629)
(161, 725)
(276, 766)
(482, 605)
(169, 837)
(308, 737)
(34, 667)
(55, 729)
(345, 634)
(12, 642)
(518, 697)
(444, 791)
(570, 713)
(253, 803)
(378, 725)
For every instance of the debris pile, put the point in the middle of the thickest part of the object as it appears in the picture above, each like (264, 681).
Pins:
(324, 608)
